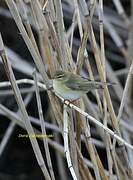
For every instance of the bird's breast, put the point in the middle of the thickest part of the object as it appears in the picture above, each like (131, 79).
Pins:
(62, 90)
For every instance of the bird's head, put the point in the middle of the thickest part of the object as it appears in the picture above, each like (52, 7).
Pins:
(60, 75)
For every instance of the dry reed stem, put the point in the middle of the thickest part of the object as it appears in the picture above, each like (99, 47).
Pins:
(23, 111)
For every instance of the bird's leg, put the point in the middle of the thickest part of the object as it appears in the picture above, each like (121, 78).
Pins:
(67, 102)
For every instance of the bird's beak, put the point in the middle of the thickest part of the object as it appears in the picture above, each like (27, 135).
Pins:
(50, 84)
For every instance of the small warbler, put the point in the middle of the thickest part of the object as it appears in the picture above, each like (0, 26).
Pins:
(72, 86)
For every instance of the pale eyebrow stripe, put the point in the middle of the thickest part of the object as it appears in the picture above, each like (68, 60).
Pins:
(61, 75)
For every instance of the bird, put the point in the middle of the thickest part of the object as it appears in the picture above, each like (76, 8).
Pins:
(72, 86)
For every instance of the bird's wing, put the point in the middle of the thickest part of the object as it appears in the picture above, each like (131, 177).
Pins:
(77, 83)
(82, 84)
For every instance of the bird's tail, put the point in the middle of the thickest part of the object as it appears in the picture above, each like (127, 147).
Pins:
(101, 85)
(108, 83)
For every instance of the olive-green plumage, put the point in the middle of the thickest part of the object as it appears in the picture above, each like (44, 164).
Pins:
(72, 86)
